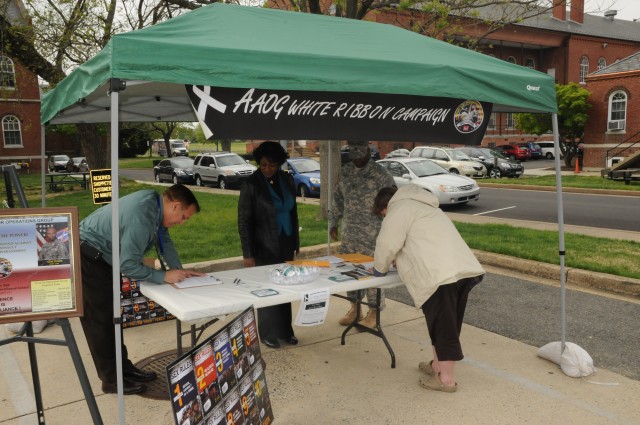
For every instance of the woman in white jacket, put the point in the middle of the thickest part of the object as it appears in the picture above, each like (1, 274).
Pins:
(437, 267)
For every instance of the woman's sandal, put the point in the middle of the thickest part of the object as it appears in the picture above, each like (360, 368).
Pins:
(427, 367)
(432, 382)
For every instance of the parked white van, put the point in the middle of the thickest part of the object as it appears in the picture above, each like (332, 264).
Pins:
(547, 150)
(178, 147)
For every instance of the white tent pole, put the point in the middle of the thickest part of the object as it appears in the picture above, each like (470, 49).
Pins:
(115, 238)
(556, 155)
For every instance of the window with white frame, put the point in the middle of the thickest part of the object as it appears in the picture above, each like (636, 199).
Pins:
(617, 111)
(584, 68)
(510, 122)
(11, 131)
(511, 59)
(530, 63)
(492, 122)
(602, 62)
(7, 73)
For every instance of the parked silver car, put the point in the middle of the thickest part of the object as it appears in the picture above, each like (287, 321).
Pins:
(450, 188)
(58, 162)
(454, 161)
(223, 169)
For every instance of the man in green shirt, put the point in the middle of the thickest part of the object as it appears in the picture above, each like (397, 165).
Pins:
(145, 217)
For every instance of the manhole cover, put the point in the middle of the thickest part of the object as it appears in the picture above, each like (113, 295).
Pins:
(158, 388)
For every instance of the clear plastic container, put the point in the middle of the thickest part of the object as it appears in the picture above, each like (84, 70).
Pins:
(287, 274)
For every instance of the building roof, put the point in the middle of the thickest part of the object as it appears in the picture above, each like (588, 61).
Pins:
(597, 26)
(630, 63)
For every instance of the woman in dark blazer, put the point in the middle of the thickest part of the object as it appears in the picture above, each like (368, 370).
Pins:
(268, 227)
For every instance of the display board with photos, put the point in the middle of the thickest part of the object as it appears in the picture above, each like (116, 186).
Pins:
(136, 309)
(39, 264)
(222, 380)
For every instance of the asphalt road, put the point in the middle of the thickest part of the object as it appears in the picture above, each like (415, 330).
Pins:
(602, 211)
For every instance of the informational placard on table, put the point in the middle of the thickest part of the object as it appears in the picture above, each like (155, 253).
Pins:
(221, 381)
(39, 264)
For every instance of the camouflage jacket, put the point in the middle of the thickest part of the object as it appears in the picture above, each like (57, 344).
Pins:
(352, 202)
(55, 250)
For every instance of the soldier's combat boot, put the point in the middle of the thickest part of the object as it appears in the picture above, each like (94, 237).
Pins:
(350, 316)
(370, 320)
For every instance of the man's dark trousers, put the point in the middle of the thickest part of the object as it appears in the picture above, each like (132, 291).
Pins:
(97, 322)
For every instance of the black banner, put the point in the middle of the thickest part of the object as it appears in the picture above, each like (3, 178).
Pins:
(231, 113)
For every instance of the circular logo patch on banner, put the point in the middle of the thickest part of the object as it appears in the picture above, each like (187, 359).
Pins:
(5, 268)
(468, 116)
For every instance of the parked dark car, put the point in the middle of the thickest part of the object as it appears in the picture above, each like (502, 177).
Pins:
(175, 170)
(518, 152)
(306, 175)
(77, 164)
(497, 164)
(58, 162)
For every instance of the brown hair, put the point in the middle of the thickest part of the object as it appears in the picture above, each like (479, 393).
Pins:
(181, 194)
(382, 199)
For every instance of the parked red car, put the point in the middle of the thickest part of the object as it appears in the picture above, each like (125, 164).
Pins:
(520, 153)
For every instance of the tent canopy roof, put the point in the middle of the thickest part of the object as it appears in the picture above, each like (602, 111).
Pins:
(249, 47)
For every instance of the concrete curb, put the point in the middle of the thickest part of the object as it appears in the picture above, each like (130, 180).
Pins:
(619, 285)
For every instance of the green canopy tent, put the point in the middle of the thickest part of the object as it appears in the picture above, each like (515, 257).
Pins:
(150, 74)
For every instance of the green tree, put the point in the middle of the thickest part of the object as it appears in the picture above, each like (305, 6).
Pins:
(132, 141)
(573, 107)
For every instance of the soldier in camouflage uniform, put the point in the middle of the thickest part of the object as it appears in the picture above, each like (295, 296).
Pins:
(352, 202)
(54, 249)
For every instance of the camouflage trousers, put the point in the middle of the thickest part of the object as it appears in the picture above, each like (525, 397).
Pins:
(371, 296)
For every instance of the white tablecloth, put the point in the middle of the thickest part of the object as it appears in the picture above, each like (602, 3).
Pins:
(197, 305)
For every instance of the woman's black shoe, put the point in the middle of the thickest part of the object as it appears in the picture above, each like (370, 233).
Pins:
(292, 340)
(271, 343)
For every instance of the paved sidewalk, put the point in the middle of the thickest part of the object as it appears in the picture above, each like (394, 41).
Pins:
(501, 381)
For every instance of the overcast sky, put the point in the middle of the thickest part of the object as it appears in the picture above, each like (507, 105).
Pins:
(627, 9)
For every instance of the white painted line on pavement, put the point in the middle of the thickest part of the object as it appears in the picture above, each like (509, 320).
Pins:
(489, 212)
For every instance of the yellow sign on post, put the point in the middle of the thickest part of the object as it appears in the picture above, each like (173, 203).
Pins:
(101, 186)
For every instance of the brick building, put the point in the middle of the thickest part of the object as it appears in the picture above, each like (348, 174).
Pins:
(613, 131)
(19, 103)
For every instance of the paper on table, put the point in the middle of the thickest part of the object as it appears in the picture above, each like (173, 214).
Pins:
(196, 281)
(356, 258)
(333, 260)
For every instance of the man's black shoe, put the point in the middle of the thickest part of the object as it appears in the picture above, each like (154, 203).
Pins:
(292, 340)
(271, 343)
(129, 387)
(138, 375)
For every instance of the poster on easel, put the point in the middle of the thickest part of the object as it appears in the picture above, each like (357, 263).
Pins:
(39, 264)
(221, 380)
